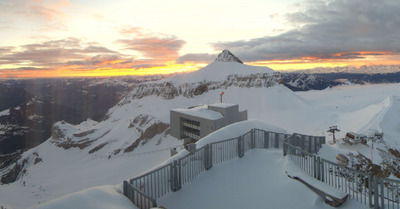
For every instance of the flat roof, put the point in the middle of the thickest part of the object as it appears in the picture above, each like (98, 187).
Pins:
(201, 112)
(223, 105)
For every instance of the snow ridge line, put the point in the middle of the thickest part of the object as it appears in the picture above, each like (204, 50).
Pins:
(141, 153)
(185, 167)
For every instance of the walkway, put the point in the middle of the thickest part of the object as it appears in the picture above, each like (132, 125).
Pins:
(231, 185)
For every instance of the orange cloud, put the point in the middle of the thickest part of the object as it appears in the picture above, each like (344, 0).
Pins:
(156, 46)
(75, 57)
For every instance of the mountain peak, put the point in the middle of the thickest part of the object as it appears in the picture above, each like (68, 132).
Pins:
(227, 56)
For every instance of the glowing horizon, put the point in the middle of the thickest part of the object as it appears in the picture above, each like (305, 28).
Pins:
(65, 38)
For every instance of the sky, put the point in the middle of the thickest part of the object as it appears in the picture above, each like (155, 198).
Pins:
(68, 38)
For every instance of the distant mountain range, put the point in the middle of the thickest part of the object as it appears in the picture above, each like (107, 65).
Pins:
(319, 79)
(365, 69)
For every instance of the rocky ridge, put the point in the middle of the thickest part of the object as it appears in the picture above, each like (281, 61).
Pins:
(227, 56)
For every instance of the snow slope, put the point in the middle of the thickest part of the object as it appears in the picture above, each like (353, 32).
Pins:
(102, 197)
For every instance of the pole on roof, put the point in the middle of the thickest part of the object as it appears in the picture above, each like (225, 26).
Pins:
(332, 130)
(221, 96)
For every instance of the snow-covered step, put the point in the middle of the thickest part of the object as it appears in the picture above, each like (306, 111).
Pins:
(332, 196)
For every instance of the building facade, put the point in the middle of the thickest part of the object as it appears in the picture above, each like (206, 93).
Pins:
(196, 122)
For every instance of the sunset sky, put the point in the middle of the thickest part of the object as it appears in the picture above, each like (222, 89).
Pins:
(64, 38)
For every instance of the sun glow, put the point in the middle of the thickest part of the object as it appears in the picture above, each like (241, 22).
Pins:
(72, 71)
(122, 68)
(341, 60)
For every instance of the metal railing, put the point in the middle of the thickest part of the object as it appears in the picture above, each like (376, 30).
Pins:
(145, 189)
(224, 150)
(387, 193)
(191, 166)
(361, 186)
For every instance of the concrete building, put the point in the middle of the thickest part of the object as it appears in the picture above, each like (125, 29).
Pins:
(196, 122)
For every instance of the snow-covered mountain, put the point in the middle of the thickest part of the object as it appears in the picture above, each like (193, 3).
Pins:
(321, 78)
(134, 135)
(365, 69)
(305, 82)
(29, 108)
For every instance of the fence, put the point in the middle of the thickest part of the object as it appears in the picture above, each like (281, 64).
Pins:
(145, 189)
(363, 187)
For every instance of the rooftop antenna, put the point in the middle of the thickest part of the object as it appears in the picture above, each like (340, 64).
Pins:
(220, 96)
(332, 130)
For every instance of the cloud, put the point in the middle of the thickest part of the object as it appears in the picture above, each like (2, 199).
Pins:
(38, 9)
(97, 49)
(103, 61)
(78, 55)
(129, 30)
(335, 29)
(69, 53)
(196, 58)
(156, 46)
(41, 15)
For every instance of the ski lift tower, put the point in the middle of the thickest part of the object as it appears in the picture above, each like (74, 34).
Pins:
(332, 130)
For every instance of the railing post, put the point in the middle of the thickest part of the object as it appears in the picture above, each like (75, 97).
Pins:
(382, 194)
(172, 171)
(125, 189)
(322, 171)
(314, 159)
(253, 139)
(240, 147)
(370, 191)
(318, 168)
(276, 140)
(285, 147)
(376, 193)
(266, 139)
(207, 157)
(175, 176)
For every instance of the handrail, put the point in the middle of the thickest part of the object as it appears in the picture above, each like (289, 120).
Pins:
(171, 177)
(370, 190)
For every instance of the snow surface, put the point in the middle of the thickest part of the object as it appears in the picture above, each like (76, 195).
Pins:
(5, 112)
(257, 180)
(102, 197)
(222, 105)
(200, 111)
